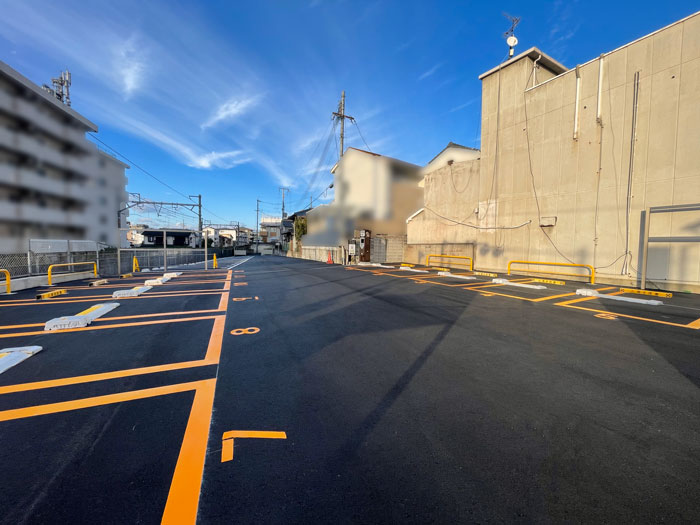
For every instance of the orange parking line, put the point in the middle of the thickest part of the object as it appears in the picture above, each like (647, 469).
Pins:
(215, 340)
(211, 357)
(118, 318)
(691, 325)
(119, 397)
(110, 298)
(183, 496)
(589, 298)
(106, 327)
(122, 284)
(103, 376)
(695, 324)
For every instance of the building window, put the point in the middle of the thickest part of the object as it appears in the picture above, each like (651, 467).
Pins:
(103, 219)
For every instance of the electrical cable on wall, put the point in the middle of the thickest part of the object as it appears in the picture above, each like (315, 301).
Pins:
(532, 175)
(476, 227)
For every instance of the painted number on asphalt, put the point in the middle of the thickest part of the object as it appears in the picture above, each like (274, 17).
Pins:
(245, 331)
(238, 299)
(611, 317)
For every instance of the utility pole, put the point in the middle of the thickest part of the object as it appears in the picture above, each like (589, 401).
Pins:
(311, 202)
(257, 226)
(283, 190)
(199, 204)
(340, 114)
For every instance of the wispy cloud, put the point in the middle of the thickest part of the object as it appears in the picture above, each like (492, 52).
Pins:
(231, 109)
(130, 65)
(430, 72)
(404, 45)
(223, 160)
(462, 106)
(563, 27)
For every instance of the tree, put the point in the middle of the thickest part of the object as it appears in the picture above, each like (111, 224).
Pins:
(299, 228)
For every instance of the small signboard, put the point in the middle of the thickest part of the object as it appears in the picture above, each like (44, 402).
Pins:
(351, 248)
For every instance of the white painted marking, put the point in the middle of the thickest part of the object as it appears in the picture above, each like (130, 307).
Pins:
(448, 274)
(133, 292)
(406, 269)
(10, 357)
(594, 293)
(520, 285)
(238, 263)
(79, 321)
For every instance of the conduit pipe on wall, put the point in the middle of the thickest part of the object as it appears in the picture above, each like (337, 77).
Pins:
(578, 94)
(599, 120)
(600, 88)
(534, 71)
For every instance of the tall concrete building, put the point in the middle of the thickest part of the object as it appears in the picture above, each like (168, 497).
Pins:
(571, 159)
(54, 183)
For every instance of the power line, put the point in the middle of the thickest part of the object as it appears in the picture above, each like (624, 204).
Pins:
(138, 167)
(321, 159)
(151, 174)
(360, 133)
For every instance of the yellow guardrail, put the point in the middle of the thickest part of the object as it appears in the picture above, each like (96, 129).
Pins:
(8, 281)
(94, 265)
(469, 266)
(587, 266)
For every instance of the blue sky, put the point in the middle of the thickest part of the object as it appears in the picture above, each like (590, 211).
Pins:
(233, 99)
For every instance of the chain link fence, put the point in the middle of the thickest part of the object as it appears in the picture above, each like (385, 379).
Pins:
(152, 258)
(111, 261)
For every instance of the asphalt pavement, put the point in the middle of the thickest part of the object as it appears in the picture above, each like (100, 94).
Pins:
(277, 390)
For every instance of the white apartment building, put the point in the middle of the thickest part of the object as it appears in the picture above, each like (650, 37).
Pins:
(54, 183)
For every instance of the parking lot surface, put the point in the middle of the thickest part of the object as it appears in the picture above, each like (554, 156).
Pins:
(276, 390)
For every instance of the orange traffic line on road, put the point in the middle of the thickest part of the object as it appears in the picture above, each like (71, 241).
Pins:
(105, 327)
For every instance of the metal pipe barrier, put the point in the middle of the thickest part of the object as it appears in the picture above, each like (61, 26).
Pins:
(469, 266)
(7, 280)
(94, 264)
(588, 266)
(646, 239)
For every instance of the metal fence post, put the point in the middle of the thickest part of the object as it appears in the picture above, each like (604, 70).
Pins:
(165, 250)
(645, 248)
(206, 249)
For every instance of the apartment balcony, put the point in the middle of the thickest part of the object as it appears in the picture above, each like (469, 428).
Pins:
(31, 213)
(30, 112)
(85, 165)
(16, 177)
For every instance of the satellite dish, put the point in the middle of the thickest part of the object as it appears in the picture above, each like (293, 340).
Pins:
(512, 41)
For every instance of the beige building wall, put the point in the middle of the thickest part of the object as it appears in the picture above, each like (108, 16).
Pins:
(536, 165)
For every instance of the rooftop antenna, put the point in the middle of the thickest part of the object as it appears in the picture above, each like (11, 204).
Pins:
(61, 87)
(511, 40)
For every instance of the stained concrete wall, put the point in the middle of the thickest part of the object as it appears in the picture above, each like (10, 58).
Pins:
(532, 166)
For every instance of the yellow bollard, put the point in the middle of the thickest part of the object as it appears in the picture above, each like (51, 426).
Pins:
(135, 265)
(216, 264)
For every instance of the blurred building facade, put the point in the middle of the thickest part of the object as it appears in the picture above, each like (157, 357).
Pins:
(54, 183)
(372, 192)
